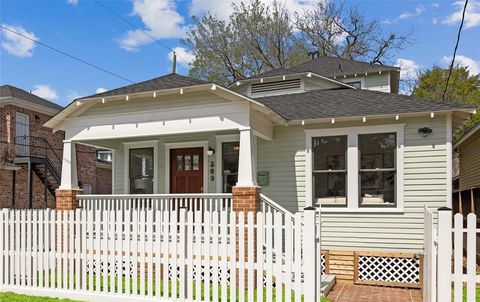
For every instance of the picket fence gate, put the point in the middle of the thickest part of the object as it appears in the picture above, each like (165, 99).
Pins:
(450, 257)
(147, 255)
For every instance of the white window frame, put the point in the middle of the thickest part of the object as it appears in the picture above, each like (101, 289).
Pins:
(126, 162)
(353, 168)
(220, 139)
(353, 80)
(193, 144)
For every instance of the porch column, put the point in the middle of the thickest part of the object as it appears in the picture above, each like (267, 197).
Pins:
(246, 193)
(65, 195)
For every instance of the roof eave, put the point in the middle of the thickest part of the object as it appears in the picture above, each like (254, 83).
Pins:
(56, 120)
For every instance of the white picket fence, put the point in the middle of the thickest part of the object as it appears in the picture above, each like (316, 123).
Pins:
(150, 255)
(446, 255)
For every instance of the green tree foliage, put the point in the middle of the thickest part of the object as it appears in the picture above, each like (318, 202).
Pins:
(259, 37)
(463, 88)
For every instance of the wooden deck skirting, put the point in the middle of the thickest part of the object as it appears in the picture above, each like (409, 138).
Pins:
(344, 265)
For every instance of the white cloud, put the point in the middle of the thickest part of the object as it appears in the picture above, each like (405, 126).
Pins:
(222, 8)
(161, 21)
(409, 70)
(100, 90)
(184, 56)
(418, 10)
(435, 5)
(472, 14)
(15, 44)
(72, 95)
(45, 91)
(72, 2)
(471, 64)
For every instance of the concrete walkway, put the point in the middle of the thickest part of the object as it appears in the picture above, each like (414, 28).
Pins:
(363, 293)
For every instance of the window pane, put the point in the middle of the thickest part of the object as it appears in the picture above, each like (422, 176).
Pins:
(196, 162)
(357, 84)
(329, 153)
(141, 171)
(179, 162)
(330, 188)
(377, 187)
(188, 162)
(377, 151)
(230, 165)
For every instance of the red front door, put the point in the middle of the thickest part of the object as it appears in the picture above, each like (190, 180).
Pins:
(186, 170)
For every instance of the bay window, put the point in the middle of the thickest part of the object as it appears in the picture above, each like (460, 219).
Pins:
(357, 168)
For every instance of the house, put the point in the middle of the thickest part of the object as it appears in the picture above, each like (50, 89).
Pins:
(285, 140)
(31, 154)
(467, 193)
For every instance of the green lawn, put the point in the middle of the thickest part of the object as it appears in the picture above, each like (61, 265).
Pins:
(11, 297)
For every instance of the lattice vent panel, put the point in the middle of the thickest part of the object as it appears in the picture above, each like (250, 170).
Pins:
(389, 269)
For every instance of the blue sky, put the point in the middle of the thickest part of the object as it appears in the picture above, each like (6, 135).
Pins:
(84, 29)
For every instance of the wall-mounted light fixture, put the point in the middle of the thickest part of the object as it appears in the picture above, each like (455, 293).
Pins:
(425, 131)
(210, 151)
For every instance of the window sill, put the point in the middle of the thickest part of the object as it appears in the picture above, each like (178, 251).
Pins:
(362, 210)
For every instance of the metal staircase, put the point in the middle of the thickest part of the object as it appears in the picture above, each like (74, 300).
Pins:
(41, 159)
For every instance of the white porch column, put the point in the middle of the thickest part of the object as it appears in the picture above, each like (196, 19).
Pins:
(247, 166)
(69, 166)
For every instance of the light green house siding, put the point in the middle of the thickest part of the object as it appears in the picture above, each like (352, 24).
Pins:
(119, 162)
(425, 181)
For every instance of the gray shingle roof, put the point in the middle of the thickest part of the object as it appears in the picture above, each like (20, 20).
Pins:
(168, 81)
(14, 92)
(348, 103)
(329, 67)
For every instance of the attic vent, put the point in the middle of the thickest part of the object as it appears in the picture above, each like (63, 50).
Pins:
(265, 88)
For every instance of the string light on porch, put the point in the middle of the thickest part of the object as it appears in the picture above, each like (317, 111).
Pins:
(333, 121)
(181, 90)
(214, 87)
(103, 100)
(79, 103)
(154, 94)
(364, 119)
(432, 114)
(126, 97)
(397, 117)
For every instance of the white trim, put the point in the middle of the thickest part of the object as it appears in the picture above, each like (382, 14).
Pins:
(113, 171)
(192, 144)
(4, 101)
(219, 140)
(352, 165)
(449, 136)
(126, 159)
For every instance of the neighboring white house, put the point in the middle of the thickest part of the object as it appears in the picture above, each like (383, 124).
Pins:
(371, 159)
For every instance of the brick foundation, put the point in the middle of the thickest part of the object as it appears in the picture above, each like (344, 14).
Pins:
(66, 199)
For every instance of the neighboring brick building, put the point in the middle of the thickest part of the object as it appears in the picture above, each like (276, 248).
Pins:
(28, 148)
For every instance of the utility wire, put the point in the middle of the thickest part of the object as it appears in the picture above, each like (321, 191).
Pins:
(455, 51)
(66, 54)
(138, 28)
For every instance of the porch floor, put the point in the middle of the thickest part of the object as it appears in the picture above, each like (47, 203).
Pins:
(358, 293)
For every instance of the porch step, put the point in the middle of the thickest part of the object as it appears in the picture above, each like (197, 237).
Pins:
(328, 281)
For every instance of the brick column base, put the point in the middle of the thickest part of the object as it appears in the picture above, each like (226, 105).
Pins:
(66, 199)
(246, 199)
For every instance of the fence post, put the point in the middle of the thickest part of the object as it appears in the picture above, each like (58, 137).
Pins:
(444, 254)
(183, 253)
(309, 248)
